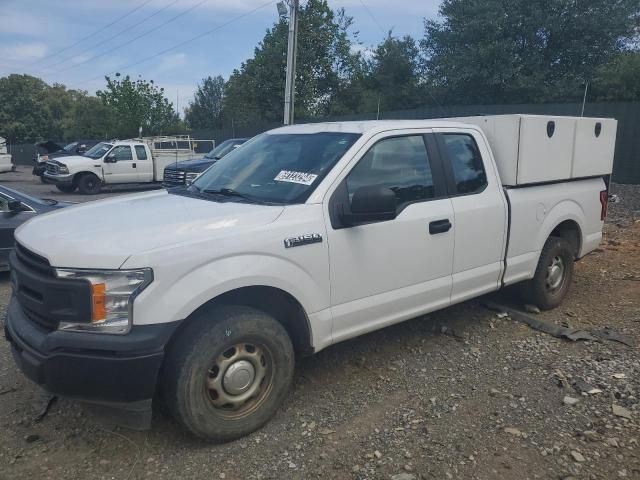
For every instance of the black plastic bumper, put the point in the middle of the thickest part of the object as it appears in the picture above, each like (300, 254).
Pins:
(39, 169)
(114, 371)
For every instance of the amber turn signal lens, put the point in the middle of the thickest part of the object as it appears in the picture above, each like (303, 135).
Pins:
(98, 307)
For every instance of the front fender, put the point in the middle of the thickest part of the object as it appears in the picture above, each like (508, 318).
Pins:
(170, 298)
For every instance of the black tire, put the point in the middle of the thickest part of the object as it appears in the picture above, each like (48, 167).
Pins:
(42, 180)
(553, 277)
(64, 188)
(89, 184)
(198, 365)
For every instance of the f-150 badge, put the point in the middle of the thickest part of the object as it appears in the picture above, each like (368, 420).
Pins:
(302, 240)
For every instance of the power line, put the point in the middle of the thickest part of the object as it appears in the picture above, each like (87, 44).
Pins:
(372, 16)
(64, 59)
(90, 35)
(178, 45)
(151, 30)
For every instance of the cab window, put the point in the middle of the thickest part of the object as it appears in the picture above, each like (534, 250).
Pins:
(398, 163)
(466, 163)
(122, 152)
(141, 152)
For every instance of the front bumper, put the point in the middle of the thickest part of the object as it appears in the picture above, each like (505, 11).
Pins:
(39, 169)
(59, 179)
(118, 373)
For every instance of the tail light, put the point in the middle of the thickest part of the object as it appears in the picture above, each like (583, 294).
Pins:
(604, 202)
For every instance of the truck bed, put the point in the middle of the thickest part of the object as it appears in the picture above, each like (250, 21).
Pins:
(534, 212)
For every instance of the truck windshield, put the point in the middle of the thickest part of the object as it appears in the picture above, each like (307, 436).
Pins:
(98, 150)
(276, 168)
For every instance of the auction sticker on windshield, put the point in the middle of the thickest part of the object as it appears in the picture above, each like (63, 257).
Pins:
(295, 177)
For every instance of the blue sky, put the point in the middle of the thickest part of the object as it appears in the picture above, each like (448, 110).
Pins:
(33, 31)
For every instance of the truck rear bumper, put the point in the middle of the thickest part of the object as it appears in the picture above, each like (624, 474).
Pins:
(117, 374)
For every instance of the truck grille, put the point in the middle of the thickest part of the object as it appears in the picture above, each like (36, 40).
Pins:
(45, 299)
(173, 178)
(52, 168)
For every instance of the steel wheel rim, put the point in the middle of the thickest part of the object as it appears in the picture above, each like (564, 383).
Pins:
(555, 273)
(240, 379)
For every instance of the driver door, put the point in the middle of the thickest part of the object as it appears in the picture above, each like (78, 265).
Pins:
(124, 169)
(383, 272)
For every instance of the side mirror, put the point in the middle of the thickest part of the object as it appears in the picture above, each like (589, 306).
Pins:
(111, 158)
(15, 206)
(371, 204)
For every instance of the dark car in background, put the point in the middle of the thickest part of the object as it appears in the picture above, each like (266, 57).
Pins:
(49, 150)
(185, 172)
(15, 209)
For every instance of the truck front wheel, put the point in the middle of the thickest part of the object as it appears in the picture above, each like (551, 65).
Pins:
(553, 276)
(227, 372)
(89, 184)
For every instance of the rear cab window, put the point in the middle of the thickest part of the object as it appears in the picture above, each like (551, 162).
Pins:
(141, 152)
(463, 163)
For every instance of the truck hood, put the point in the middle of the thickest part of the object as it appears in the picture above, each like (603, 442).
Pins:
(104, 233)
(194, 165)
(72, 160)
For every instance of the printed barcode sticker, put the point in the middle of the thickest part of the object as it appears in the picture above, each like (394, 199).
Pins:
(296, 177)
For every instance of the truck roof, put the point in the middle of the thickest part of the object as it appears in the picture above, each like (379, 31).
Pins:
(368, 126)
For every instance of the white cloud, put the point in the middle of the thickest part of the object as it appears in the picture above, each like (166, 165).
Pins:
(21, 53)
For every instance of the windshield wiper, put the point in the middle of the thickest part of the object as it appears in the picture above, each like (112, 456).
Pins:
(230, 192)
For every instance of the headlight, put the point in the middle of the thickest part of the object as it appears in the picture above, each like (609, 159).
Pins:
(191, 176)
(112, 296)
(63, 169)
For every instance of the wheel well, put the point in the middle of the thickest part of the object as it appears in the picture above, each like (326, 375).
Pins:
(279, 304)
(79, 175)
(570, 231)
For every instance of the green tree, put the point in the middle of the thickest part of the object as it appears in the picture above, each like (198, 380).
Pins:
(523, 50)
(619, 79)
(138, 103)
(205, 112)
(23, 115)
(255, 91)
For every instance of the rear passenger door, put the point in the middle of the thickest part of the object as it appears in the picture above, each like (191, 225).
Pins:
(144, 165)
(479, 209)
(383, 272)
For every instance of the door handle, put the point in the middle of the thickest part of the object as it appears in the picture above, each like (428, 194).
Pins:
(439, 226)
(134, 165)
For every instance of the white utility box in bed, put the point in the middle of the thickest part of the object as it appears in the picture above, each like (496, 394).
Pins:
(541, 148)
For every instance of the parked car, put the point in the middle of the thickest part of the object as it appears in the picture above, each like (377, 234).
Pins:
(185, 172)
(6, 162)
(15, 209)
(306, 236)
(136, 161)
(49, 150)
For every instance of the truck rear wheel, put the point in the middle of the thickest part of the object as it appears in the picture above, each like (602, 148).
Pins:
(89, 184)
(553, 276)
(228, 372)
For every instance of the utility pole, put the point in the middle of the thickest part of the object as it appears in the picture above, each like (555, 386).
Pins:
(292, 48)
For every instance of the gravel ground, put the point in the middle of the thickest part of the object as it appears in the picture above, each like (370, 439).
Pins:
(461, 393)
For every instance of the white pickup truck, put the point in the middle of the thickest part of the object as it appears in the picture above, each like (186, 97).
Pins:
(306, 236)
(136, 161)
(6, 163)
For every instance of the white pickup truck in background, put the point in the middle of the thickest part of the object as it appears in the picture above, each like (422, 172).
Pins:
(306, 236)
(6, 164)
(117, 162)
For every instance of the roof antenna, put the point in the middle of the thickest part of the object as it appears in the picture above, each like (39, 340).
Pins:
(584, 99)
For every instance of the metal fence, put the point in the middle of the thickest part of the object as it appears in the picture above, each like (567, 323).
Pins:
(626, 165)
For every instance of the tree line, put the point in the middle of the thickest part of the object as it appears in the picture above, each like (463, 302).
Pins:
(475, 52)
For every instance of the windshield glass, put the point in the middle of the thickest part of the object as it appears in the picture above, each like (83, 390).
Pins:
(98, 150)
(70, 147)
(222, 149)
(277, 168)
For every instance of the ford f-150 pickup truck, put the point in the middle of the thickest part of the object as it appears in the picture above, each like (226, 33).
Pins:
(306, 236)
